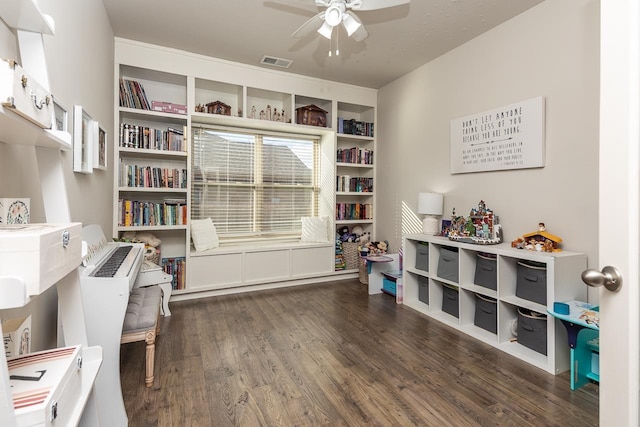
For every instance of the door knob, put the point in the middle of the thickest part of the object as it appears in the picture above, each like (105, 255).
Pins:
(610, 278)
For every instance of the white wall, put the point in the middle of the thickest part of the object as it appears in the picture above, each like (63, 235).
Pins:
(80, 66)
(552, 50)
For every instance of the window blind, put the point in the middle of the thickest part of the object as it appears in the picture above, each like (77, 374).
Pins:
(254, 184)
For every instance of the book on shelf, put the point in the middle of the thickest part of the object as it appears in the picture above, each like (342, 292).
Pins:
(355, 155)
(354, 127)
(346, 183)
(175, 267)
(137, 213)
(136, 136)
(354, 211)
(133, 175)
(132, 95)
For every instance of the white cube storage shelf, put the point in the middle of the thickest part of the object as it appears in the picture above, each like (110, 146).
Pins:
(563, 283)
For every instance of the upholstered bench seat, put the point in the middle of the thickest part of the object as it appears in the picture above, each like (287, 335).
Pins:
(141, 324)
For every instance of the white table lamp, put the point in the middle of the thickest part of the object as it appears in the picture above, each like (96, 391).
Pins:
(430, 205)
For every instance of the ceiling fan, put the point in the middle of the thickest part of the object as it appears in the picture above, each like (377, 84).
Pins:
(340, 12)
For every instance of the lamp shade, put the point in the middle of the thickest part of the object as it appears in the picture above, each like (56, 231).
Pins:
(430, 203)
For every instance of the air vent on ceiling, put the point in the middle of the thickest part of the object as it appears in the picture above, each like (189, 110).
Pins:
(276, 62)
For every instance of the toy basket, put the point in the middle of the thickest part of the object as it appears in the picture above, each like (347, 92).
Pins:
(363, 273)
(350, 252)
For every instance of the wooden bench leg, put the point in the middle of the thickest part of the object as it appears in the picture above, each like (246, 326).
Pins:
(150, 339)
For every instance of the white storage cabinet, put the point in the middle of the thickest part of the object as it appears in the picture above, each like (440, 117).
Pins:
(563, 283)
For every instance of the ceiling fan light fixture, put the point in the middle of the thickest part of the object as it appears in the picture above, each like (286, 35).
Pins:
(350, 24)
(333, 15)
(326, 30)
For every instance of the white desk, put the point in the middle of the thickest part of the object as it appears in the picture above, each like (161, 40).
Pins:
(375, 269)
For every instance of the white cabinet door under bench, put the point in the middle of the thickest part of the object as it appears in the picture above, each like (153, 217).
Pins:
(236, 266)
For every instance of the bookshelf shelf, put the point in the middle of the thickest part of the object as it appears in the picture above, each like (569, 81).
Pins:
(146, 152)
(152, 227)
(152, 155)
(152, 190)
(355, 165)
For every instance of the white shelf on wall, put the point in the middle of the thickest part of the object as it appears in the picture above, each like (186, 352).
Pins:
(26, 15)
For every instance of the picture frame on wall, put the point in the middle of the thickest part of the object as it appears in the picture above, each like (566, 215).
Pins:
(83, 140)
(100, 149)
(60, 117)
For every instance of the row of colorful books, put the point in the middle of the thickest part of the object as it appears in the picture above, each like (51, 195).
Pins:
(143, 176)
(132, 95)
(340, 263)
(355, 155)
(353, 211)
(141, 213)
(136, 136)
(358, 184)
(176, 268)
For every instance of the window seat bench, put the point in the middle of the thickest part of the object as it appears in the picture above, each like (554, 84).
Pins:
(250, 264)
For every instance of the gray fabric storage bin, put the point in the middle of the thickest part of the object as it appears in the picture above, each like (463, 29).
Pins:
(422, 256)
(531, 281)
(486, 271)
(486, 315)
(450, 300)
(532, 330)
(423, 289)
(448, 264)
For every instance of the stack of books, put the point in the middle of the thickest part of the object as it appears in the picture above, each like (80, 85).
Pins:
(132, 95)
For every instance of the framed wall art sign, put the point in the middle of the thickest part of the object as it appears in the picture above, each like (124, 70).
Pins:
(100, 149)
(83, 140)
(509, 137)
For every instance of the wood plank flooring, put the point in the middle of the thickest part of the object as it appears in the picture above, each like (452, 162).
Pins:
(329, 354)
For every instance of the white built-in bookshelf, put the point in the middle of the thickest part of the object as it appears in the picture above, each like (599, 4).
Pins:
(188, 83)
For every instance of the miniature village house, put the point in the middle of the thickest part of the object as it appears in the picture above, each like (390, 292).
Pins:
(218, 107)
(311, 115)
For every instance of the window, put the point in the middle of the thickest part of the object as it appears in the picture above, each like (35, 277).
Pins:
(254, 185)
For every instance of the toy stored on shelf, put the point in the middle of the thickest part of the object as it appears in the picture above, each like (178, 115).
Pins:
(481, 227)
(540, 241)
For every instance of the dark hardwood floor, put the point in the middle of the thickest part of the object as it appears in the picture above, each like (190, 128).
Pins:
(329, 354)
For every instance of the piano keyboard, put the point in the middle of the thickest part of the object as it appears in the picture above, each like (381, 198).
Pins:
(111, 266)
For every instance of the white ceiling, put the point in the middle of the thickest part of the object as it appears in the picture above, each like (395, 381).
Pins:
(401, 38)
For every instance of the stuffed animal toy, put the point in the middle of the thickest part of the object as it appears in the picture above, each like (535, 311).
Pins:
(150, 240)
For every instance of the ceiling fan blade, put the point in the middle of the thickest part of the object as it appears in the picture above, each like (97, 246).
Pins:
(310, 26)
(360, 34)
(379, 4)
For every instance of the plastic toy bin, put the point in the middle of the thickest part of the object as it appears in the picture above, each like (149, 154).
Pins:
(531, 281)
